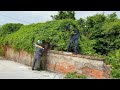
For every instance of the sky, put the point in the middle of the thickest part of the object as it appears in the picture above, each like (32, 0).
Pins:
(29, 17)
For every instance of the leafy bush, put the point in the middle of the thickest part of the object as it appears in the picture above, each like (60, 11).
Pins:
(9, 28)
(113, 59)
(74, 75)
(86, 45)
(115, 73)
(51, 31)
(108, 38)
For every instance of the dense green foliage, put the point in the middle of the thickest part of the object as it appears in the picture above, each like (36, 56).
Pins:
(64, 15)
(115, 73)
(108, 38)
(51, 31)
(113, 59)
(99, 35)
(9, 28)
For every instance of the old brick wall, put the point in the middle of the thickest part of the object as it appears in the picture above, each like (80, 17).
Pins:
(63, 62)
(21, 56)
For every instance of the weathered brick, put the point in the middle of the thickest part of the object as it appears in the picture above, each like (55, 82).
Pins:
(64, 62)
(64, 67)
(93, 73)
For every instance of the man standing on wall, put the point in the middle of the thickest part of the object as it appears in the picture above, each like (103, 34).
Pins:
(37, 55)
(74, 39)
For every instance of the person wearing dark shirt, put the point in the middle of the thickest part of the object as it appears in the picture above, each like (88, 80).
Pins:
(37, 55)
(74, 39)
(68, 26)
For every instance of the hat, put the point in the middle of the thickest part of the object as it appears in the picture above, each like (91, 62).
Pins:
(39, 42)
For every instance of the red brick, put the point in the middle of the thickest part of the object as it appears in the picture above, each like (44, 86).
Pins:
(93, 72)
(64, 67)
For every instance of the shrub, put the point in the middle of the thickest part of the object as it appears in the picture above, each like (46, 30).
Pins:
(86, 45)
(115, 73)
(113, 59)
(9, 28)
(51, 31)
(108, 37)
(74, 75)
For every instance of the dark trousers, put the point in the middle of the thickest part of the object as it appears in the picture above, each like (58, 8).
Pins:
(73, 39)
(36, 63)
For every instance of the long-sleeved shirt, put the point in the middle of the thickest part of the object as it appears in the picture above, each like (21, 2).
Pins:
(76, 32)
(38, 50)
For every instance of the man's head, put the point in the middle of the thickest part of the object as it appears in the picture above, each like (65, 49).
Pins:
(68, 26)
(39, 42)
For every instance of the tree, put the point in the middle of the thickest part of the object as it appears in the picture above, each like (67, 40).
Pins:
(108, 39)
(106, 32)
(112, 17)
(71, 14)
(81, 23)
(94, 24)
(64, 15)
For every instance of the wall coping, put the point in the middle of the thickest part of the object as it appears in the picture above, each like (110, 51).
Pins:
(71, 54)
(78, 55)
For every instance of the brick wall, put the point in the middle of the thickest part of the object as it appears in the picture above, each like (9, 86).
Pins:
(21, 56)
(62, 62)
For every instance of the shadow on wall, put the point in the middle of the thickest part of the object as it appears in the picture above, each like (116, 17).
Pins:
(43, 63)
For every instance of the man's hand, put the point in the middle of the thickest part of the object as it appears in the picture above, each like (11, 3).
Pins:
(72, 33)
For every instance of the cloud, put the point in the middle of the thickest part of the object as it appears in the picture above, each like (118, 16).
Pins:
(41, 13)
(42, 16)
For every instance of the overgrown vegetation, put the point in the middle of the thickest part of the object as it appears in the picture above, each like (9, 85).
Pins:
(64, 15)
(74, 75)
(115, 74)
(99, 35)
(113, 59)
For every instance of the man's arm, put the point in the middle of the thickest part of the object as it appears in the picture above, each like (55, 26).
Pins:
(39, 46)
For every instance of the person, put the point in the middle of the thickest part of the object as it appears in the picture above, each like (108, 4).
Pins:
(68, 27)
(74, 39)
(37, 55)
